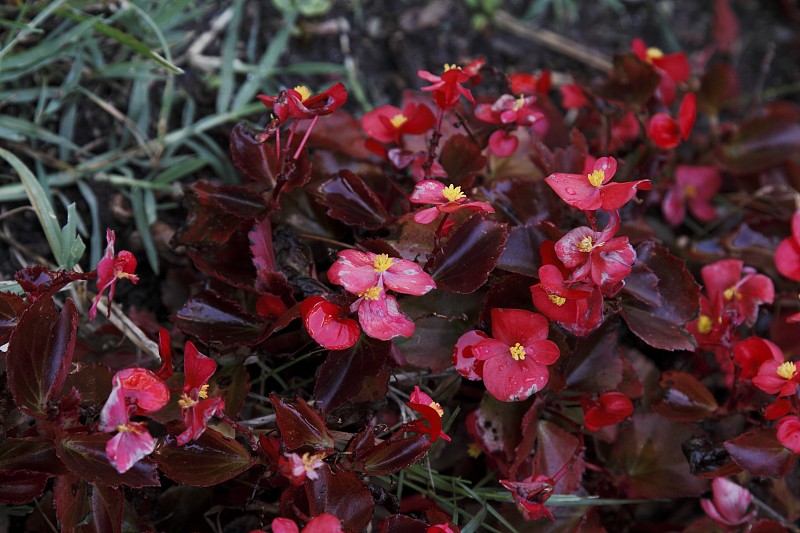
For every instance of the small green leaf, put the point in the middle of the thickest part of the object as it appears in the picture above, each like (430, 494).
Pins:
(71, 243)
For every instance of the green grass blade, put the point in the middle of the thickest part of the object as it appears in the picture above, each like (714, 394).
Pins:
(227, 78)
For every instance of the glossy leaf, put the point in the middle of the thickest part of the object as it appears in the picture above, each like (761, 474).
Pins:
(224, 261)
(21, 486)
(218, 321)
(85, 456)
(11, 307)
(595, 364)
(300, 425)
(40, 353)
(555, 448)
(632, 82)
(343, 495)
(398, 523)
(39, 281)
(107, 507)
(461, 158)
(760, 453)
(341, 376)
(465, 261)
(71, 501)
(36, 455)
(524, 201)
(760, 143)
(684, 398)
(250, 156)
(221, 459)
(394, 455)
(351, 201)
(268, 278)
(521, 252)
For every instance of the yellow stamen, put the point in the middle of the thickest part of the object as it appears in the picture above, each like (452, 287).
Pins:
(448, 66)
(705, 324)
(556, 299)
(731, 292)
(382, 262)
(398, 120)
(519, 103)
(122, 428)
(310, 462)
(654, 53)
(452, 193)
(186, 402)
(203, 394)
(304, 92)
(436, 407)
(586, 244)
(517, 352)
(473, 450)
(373, 293)
(787, 370)
(596, 178)
(690, 191)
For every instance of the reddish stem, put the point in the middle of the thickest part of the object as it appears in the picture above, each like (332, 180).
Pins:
(434, 143)
(305, 138)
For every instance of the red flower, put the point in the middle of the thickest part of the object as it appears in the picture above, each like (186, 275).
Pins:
(522, 83)
(597, 255)
(324, 523)
(111, 269)
(445, 200)
(196, 407)
(666, 132)
(728, 504)
(787, 255)
(623, 131)
(530, 495)
(135, 391)
(516, 359)
(447, 89)
(572, 96)
(609, 409)
(789, 433)
(431, 411)
(593, 191)
(297, 468)
(464, 360)
(672, 68)
(299, 103)
(327, 324)
(751, 353)
(509, 110)
(733, 296)
(402, 158)
(778, 378)
(695, 185)
(554, 298)
(388, 124)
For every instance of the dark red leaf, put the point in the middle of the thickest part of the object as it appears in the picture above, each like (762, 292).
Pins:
(40, 282)
(595, 364)
(351, 201)
(36, 455)
(632, 82)
(21, 486)
(555, 448)
(92, 381)
(85, 456)
(342, 374)
(760, 453)
(391, 456)
(11, 307)
(524, 201)
(521, 252)
(343, 495)
(218, 321)
(40, 352)
(71, 502)
(718, 84)
(224, 261)
(221, 458)
(340, 133)
(760, 143)
(250, 156)
(398, 523)
(300, 425)
(461, 158)
(232, 382)
(268, 279)
(684, 398)
(496, 428)
(726, 26)
(107, 506)
(465, 261)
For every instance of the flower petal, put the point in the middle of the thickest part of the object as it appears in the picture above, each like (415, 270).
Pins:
(428, 192)
(354, 271)
(126, 448)
(407, 277)
(383, 319)
(576, 190)
(518, 326)
(511, 381)
(197, 367)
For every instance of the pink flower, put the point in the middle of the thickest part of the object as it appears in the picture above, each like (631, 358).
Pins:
(775, 377)
(787, 255)
(593, 191)
(609, 409)
(572, 96)
(666, 132)
(431, 411)
(327, 324)
(111, 269)
(673, 68)
(696, 186)
(530, 495)
(445, 200)
(297, 468)
(523, 83)
(516, 359)
(415, 161)
(300, 103)
(751, 353)
(196, 407)
(447, 89)
(135, 391)
(509, 110)
(324, 523)
(554, 298)
(596, 255)
(388, 124)
(789, 433)
(464, 360)
(728, 504)
(733, 295)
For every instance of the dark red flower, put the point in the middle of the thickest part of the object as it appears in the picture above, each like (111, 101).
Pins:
(196, 407)
(431, 411)
(388, 124)
(592, 191)
(445, 200)
(789, 433)
(695, 186)
(787, 255)
(324, 523)
(735, 291)
(751, 353)
(523, 83)
(464, 360)
(775, 377)
(573, 97)
(328, 324)
(672, 68)
(609, 409)
(110, 269)
(666, 132)
(530, 494)
(556, 299)
(299, 103)
(447, 89)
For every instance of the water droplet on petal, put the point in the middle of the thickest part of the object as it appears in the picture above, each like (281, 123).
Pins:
(570, 190)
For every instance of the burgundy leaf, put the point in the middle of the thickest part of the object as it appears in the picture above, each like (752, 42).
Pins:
(351, 201)
(71, 502)
(525, 201)
(92, 381)
(221, 458)
(85, 456)
(555, 448)
(761, 143)
(36, 455)
(464, 263)
(218, 321)
(11, 307)
(342, 374)
(461, 158)
(343, 495)
(39, 282)
(391, 456)
(300, 425)
(760, 453)
(684, 398)
(268, 279)
(521, 252)
(107, 507)
(224, 261)
(632, 82)
(398, 523)
(21, 486)
(595, 364)
(250, 156)
(40, 353)
(718, 84)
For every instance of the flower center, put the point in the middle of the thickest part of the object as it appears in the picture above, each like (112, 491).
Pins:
(382, 262)
(517, 352)
(311, 462)
(556, 299)
(398, 120)
(373, 293)
(596, 177)
(731, 292)
(203, 393)
(436, 407)
(787, 370)
(586, 244)
(453, 194)
(186, 402)
(303, 91)
(690, 191)
(448, 67)
(133, 427)
(473, 450)
(654, 53)
(704, 324)
(519, 103)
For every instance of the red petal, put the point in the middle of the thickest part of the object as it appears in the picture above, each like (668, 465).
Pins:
(375, 127)
(687, 114)
(615, 195)
(576, 190)
(789, 433)
(382, 319)
(674, 206)
(503, 144)
(664, 131)
(426, 216)
(567, 312)
(512, 326)
(197, 367)
(464, 360)
(675, 65)
(142, 387)
(787, 259)
(324, 523)
(490, 348)
(407, 277)
(196, 419)
(543, 352)
(354, 271)
(125, 449)
(510, 381)
(284, 525)
(428, 192)
(324, 322)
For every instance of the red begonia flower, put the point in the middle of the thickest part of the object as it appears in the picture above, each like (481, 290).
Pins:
(445, 200)
(380, 316)
(695, 186)
(593, 191)
(327, 324)
(431, 411)
(463, 359)
(516, 358)
(775, 377)
(135, 391)
(522, 83)
(573, 97)
(299, 103)
(735, 296)
(442, 528)
(728, 504)
(196, 407)
(415, 161)
(554, 298)
(388, 124)
(447, 89)
(359, 272)
(270, 306)
(623, 131)
(503, 143)
(666, 132)
(709, 328)
(296, 468)
(110, 269)
(751, 353)
(590, 314)
(789, 433)
(672, 68)
(596, 255)
(509, 110)
(530, 495)
(609, 409)
(324, 523)
(787, 255)
(779, 408)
